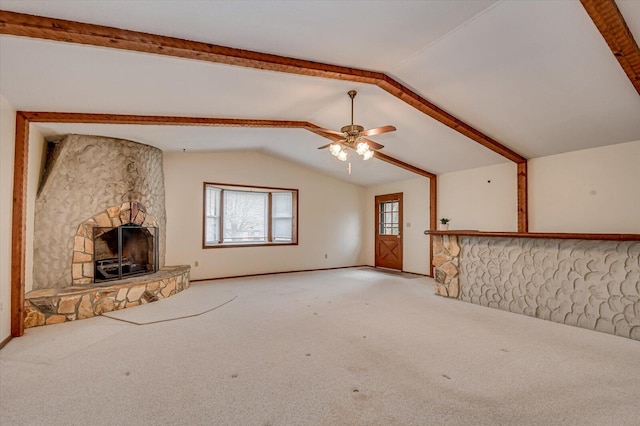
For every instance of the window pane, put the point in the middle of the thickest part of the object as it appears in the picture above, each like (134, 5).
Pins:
(212, 228)
(245, 216)
(282, 229)
(388, 218)
(282, 204)
(212, 204)
(282, 216)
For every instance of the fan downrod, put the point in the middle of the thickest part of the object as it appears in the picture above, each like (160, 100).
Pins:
(352, 130)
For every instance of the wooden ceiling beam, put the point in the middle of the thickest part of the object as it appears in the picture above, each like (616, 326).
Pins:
(388, 159)
(611, 24)
(150, 120)
(19, 24)
(72, 117)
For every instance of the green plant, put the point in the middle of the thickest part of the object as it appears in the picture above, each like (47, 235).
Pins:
(444, 220)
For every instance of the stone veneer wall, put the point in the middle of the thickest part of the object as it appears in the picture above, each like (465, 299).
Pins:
(86, 176)
(446, 261)
(587, 283)
(51, 306)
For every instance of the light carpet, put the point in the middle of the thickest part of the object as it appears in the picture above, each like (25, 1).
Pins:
(343, 347)
(401, 274)
(199, 300)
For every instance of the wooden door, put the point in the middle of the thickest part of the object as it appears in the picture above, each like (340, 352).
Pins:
(388, 237)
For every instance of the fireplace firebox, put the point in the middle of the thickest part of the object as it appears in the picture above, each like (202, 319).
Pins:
(123, 251)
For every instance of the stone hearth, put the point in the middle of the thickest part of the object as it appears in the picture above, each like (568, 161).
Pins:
(51, 306)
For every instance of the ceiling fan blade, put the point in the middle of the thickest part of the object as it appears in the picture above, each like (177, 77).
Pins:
(331, 132)
(329, 144)
(378, 130)
(373, 145)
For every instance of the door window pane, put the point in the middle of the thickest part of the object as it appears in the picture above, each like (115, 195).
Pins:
(389, 218)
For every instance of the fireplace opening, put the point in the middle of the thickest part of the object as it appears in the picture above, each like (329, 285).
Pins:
(124, 250)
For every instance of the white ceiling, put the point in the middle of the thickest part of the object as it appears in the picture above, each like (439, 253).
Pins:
(536, 76)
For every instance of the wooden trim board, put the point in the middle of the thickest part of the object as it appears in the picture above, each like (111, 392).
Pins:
(433, 217)
(523, 198)
(19, 224)
(548, 235)
(5, 341)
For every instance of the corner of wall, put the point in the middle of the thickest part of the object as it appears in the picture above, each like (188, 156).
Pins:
(37, 151)
(593, 190)
(7, 148)
(483, 199)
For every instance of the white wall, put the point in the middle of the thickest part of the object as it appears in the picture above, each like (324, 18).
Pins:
(484, 199)
(37, 151)
(7, 138)
(330, 218)
(415, 203)
(594, 190)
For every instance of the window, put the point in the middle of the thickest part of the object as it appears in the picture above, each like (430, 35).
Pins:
(389, 218)
(236, 215)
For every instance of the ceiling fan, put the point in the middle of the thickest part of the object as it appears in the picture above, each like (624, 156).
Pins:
(353, 136)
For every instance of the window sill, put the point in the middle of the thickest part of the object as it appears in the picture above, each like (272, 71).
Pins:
(234, 245)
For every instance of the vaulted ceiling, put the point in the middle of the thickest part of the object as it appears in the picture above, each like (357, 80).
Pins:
(535, 76)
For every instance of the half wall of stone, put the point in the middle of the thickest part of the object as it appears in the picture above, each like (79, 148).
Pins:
(593, 284)
(84, 177)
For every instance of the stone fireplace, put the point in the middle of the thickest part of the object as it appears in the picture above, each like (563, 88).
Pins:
(99, 231)
(89, 182)
(118, 242)
(124, 251)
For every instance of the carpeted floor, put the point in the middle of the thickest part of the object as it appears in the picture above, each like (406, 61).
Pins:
(341, 347)
(201, 300)
(402, 274)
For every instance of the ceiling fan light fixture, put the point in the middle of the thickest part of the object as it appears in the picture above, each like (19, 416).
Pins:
(362, 148)
(351, 137)
(335, 149)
